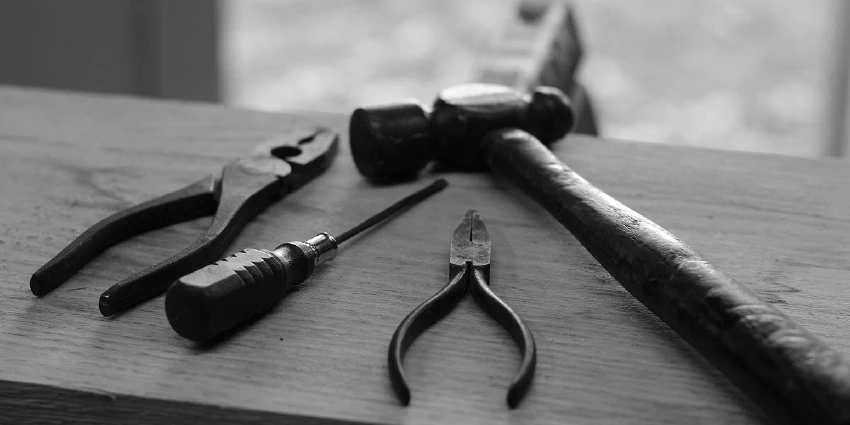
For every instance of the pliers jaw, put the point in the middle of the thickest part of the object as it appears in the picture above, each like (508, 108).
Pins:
(470, 242)
(245, 188)
(308, 154)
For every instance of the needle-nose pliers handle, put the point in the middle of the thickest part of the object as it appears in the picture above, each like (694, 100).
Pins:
(438, 306)
(519, 332)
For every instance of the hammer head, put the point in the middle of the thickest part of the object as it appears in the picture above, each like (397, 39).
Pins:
(397, 140)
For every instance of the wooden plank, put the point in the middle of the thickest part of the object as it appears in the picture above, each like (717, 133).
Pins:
(779, 224)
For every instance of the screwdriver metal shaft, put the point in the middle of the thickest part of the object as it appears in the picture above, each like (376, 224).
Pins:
(227, 293)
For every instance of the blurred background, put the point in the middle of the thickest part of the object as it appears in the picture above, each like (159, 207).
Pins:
(735, 74)
(752, 75)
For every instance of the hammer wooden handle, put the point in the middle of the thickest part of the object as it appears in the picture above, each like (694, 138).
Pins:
(779, 364)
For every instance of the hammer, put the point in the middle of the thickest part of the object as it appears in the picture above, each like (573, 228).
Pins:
(784, 368)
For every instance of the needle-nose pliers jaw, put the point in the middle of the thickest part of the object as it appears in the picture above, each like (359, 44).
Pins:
(469, 268)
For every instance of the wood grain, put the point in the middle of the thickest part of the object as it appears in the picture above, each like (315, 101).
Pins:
(67, 160)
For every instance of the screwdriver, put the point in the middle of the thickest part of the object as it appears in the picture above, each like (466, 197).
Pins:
(227, 293)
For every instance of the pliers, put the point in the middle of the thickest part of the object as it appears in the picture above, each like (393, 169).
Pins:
(469, 268)
(245, 187)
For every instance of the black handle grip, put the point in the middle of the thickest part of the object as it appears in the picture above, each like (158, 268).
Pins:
(227, 293)
(190, 202)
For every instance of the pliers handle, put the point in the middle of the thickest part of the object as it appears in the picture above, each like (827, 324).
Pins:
(245, 188)
(473, 278)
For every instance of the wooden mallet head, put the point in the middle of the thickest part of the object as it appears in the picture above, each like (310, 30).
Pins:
(398, 140)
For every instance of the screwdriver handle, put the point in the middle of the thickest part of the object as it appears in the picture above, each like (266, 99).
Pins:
(227, 293)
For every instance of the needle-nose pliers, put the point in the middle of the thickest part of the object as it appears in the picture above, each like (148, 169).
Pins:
(469, 268)
(245, 187)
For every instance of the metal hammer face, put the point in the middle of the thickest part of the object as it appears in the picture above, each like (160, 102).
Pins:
(397, 140)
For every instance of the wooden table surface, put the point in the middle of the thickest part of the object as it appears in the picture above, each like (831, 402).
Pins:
(780, 225)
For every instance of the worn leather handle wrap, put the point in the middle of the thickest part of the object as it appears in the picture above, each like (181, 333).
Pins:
(788, 371)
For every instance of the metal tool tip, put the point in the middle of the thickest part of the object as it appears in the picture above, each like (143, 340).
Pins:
(408, 201)
(472, 219)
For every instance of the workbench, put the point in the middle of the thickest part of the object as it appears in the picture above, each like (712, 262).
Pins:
(777, 224)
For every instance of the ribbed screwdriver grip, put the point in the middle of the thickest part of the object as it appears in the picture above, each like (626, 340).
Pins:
(219, 297)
